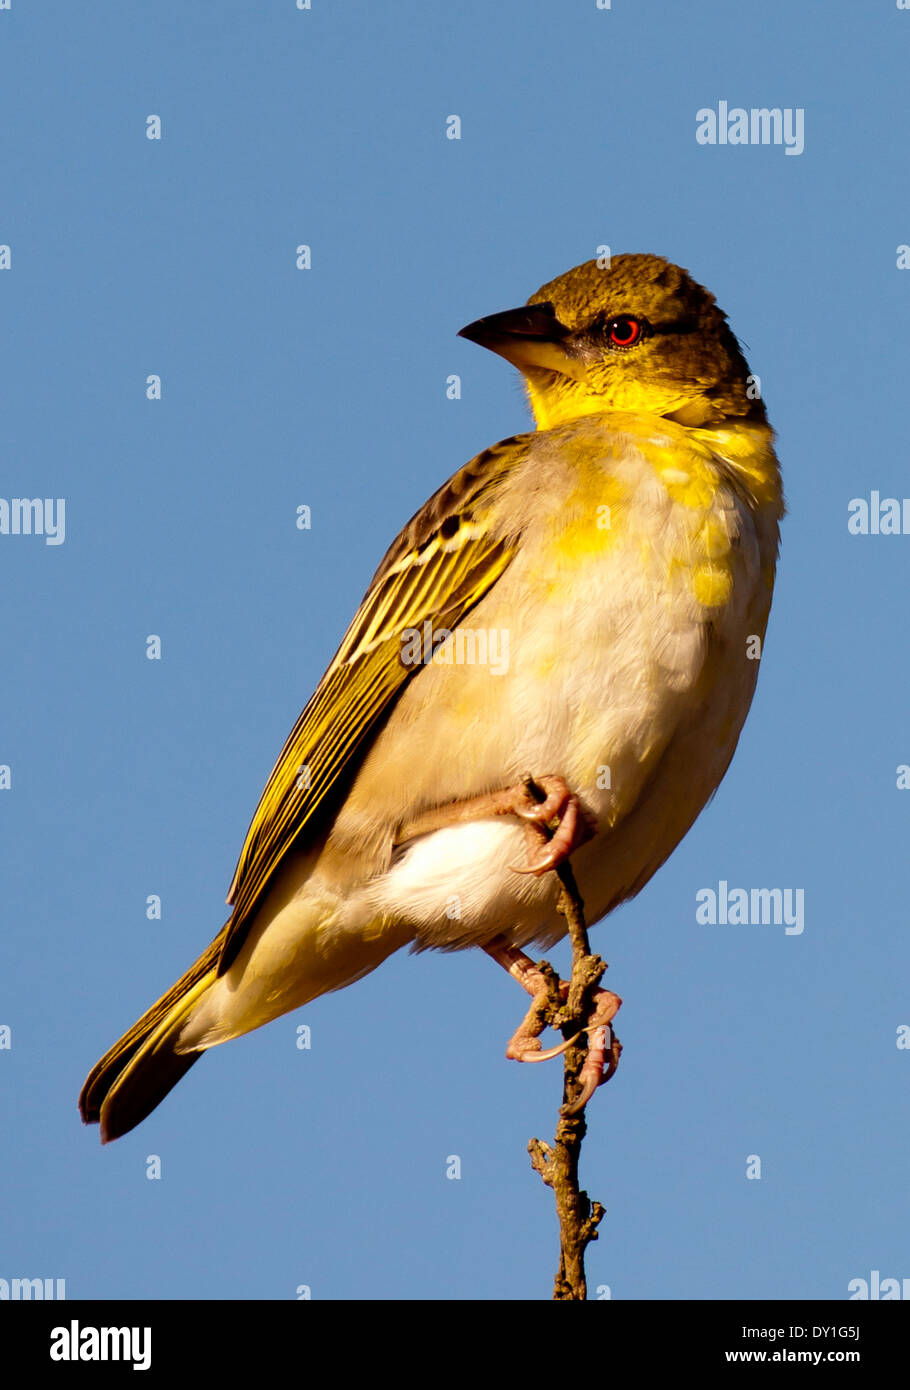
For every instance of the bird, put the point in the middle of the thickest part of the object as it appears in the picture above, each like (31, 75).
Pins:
(553, 662)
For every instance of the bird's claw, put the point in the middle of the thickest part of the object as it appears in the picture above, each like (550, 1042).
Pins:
(559, 804)
(604, 1047)
(597, 1068)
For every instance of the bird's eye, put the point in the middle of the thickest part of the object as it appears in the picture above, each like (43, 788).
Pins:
(624, 331)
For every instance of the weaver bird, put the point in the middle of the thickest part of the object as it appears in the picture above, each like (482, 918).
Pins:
(624, 553)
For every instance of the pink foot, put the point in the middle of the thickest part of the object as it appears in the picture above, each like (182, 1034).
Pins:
(560, 804)
(524, 1045)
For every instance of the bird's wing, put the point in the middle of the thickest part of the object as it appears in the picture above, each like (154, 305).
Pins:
(442, 563)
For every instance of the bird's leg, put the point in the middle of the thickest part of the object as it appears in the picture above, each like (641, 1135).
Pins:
(549, 992)
(546, 991)
(560, 804)
(555, 825)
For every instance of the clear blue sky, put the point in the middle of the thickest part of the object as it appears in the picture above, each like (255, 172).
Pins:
(326, 1167)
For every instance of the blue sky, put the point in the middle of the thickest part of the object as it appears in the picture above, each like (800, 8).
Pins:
(327, 1168)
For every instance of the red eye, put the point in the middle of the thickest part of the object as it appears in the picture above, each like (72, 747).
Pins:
(624, 331)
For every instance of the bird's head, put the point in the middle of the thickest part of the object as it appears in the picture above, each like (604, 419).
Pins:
(639, 336)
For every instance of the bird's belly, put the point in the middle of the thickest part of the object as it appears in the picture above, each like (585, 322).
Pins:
(620, 661)
(632, 695)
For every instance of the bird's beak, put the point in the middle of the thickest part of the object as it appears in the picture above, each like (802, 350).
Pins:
(530, 337)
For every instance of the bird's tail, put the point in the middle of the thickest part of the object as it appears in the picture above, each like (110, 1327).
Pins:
(139, 1070)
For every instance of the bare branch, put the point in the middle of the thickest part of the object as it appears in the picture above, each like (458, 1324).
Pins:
(557, 1165)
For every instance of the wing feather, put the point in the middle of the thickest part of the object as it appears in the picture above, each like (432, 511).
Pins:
(447, 557)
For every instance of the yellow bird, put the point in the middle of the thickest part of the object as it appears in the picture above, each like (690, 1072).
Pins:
(583, 602)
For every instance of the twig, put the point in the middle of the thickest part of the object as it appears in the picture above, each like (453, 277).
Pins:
(557, 1165)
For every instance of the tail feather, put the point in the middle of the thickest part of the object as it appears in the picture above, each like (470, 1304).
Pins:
(139, 1070)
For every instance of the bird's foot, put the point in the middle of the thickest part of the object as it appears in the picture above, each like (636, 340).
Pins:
(560, 812)
(548, 995)
(604, 1049)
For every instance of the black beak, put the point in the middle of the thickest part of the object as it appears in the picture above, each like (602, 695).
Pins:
(529, 337)
(530, 321)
